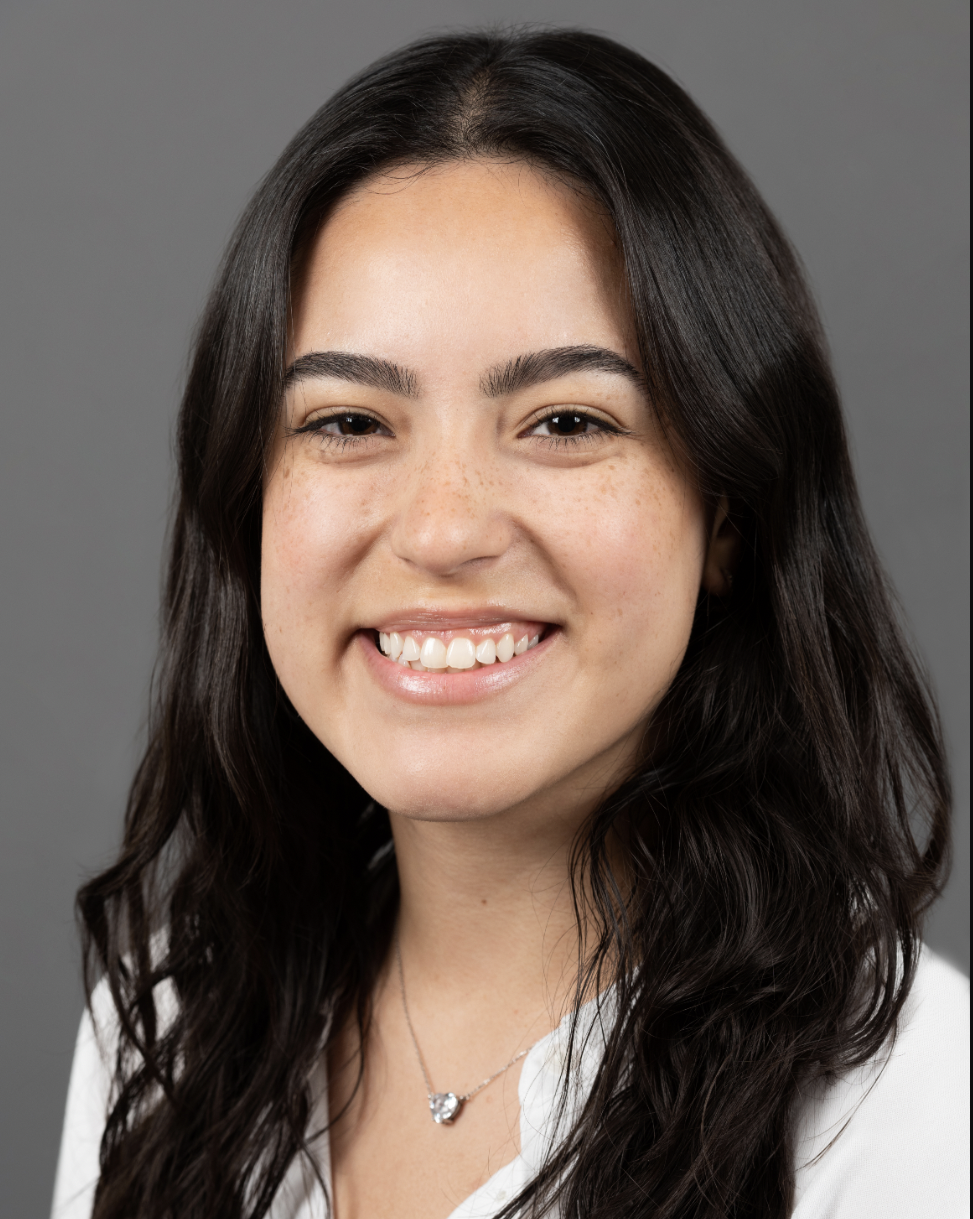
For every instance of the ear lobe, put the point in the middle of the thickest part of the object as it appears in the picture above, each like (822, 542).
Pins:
(721, 553)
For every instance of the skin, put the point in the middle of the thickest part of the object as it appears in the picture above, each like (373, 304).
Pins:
(456, 506)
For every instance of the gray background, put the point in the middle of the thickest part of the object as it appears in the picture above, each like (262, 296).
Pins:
(131, 135)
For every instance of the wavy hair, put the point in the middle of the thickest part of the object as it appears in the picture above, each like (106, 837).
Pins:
(784, 837)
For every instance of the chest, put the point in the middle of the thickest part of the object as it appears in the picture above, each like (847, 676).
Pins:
(388, 1156)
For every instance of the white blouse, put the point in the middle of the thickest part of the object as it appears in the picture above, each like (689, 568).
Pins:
(885, 1141)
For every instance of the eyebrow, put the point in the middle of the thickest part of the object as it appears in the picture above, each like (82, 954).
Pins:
(532, 368)
(360, 370)
(538, 366)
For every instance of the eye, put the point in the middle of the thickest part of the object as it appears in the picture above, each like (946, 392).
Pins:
(348, 424)
(569, 423)
(564, 423)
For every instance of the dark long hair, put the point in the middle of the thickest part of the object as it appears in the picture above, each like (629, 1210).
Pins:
(784, 837)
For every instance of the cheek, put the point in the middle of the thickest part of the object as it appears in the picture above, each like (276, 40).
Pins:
(308, 540)
(633, 546)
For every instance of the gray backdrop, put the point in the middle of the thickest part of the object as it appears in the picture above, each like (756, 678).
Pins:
(130, 136)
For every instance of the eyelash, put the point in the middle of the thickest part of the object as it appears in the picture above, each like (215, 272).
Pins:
(316, 428)
(602, 428)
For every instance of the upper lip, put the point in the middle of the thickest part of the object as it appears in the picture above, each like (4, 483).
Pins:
(423, 617)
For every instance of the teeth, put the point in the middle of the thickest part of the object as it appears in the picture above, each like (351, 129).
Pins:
(460, 654)
(432, 654)
(486, 653)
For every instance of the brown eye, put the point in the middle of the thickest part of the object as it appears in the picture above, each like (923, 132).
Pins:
(571, 424)
(346, 426)
(351, 425)
(568, 424)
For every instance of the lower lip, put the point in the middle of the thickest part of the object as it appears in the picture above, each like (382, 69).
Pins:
(450, 689)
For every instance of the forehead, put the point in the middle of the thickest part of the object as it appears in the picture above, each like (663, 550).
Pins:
(495, 251)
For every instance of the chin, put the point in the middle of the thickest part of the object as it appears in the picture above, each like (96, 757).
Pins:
(429, 798)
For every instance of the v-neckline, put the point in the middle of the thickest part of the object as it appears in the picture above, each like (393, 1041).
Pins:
(537, 1091)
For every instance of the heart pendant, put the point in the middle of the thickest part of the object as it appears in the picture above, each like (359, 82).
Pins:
(444, 1106)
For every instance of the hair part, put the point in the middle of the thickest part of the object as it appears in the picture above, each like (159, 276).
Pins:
(769, 929)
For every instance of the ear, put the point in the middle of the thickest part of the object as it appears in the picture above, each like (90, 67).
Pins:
(721, 553)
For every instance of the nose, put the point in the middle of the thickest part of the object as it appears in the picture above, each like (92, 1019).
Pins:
(450, 516)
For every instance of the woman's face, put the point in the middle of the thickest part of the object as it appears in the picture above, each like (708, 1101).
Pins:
(466, 461)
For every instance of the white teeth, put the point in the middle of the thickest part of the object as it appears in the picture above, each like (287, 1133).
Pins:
(433, 654)
(460, 654)
(505, 648)
(486, 653)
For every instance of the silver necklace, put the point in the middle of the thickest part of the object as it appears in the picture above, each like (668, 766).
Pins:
(445, 1106)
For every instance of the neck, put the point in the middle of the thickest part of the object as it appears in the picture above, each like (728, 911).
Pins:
(487, 909)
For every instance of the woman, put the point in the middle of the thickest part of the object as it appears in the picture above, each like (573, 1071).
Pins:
(541, 804)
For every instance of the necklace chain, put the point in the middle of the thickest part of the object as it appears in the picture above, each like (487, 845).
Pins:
(430, 1091)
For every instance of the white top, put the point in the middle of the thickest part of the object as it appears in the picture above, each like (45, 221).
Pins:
(888, 1140)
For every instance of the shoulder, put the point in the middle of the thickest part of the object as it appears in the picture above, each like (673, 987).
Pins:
(90, 1097)
(892, 1138)
(89, 1094)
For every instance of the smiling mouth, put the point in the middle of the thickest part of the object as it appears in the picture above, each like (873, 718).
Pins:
(459, 651)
